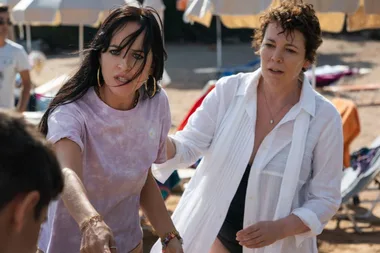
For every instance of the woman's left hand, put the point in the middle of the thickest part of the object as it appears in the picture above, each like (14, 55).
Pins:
(174, 246)
(261, 234)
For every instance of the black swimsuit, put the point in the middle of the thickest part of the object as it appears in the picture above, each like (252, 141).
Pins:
(235, 217)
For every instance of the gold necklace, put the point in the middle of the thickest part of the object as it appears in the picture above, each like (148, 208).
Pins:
(270, 112)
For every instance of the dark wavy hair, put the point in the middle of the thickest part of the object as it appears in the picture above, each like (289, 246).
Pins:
(86, 76)
(27, 163)
(292, 15)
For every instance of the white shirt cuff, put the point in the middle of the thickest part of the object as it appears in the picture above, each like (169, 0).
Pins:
(310, 219)
(163, 171)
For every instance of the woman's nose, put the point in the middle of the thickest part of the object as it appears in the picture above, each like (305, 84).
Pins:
(277, 56)
(125, 64)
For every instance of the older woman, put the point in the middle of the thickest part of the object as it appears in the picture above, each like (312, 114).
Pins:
(272, 146)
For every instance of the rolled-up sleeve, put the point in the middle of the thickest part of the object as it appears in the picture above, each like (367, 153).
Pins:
(64, 123)
(166, 123)
(195, 139)
(324, 195)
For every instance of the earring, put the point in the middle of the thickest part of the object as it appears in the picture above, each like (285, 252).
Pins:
(98, 78)
(146, 85)
(154, 86)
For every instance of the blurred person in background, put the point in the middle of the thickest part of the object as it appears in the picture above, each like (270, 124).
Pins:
(13, 60)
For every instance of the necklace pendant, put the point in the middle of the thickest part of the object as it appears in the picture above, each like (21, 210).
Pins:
(271, 121)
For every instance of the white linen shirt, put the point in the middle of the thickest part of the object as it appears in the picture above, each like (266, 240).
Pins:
(222, 131)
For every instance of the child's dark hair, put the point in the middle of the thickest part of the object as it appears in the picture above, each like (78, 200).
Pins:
(27, 162)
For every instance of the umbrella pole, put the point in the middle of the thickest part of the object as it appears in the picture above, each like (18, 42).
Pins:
(218, 43)
(28, 38)
(81, 39)
(21, 31)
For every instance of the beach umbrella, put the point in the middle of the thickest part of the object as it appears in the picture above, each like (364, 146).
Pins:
(65, 12)
(360, 14)
(243, 13)
(10, 3)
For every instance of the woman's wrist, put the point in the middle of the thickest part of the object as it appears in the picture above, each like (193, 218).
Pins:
(282, 231)
(171, 148)
(168, 237)
(291, 226)
(90, 221)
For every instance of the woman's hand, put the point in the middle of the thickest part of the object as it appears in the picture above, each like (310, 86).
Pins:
(97, 238)
(260, 235)
(174, 246)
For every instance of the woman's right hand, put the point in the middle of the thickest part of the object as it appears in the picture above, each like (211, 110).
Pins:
(98, 238)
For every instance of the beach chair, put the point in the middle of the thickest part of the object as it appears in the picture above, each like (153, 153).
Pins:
(351, 125)
(357, 181)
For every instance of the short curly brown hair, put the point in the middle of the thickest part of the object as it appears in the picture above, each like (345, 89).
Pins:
(292, 15)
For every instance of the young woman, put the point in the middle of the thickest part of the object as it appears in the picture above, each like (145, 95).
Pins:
(109, 123)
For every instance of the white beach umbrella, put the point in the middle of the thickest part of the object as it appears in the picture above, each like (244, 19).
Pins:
(10, 3)
(245, 14)
(65, 12)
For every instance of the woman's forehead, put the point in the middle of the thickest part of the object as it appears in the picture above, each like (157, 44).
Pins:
(275, 32)
(125, 32)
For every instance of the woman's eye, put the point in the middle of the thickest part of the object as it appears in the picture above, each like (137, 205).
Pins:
(114, 52)
(291, 51)
(269, 45)
(138, 56)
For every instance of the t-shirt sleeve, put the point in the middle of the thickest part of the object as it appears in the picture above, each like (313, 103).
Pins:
(65, 123)
(22, 60)
(166, 123)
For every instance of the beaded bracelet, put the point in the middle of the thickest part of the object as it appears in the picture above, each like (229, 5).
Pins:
(168, 237)
(91, 221)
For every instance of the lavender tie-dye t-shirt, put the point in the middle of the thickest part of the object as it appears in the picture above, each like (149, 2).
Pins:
(118, 148)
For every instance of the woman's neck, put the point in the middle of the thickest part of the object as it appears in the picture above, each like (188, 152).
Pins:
(2, 42)
(280, 94)
(117, 102)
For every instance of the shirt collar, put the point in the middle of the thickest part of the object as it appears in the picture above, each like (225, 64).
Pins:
(307, 99)
(250, 82)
